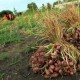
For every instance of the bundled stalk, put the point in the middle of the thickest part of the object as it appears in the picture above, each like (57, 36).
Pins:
(69, 17)
(71, 23)
(59, 58)
(54, 30)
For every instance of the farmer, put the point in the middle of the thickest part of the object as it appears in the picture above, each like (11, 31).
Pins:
(10, 16)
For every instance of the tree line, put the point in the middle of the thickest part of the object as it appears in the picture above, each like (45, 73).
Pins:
(32, 7)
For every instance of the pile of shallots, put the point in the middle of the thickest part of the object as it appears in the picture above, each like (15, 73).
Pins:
(73, 38)
(52, 64)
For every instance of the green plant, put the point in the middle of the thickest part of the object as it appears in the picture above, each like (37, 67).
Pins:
(15, 60)
(4, 56)
(2, 75)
